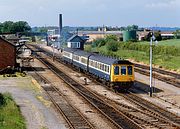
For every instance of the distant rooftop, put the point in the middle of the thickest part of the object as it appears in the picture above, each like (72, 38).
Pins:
(99, 32)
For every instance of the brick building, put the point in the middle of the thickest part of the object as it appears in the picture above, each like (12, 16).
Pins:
(7, 54)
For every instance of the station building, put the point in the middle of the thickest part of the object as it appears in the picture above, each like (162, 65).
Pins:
(7, 54)
(76, 42)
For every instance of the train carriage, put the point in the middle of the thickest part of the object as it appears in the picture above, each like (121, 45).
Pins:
(68, 55)
(100, 66)
(80, 59)
(122, 74)
(119, 73)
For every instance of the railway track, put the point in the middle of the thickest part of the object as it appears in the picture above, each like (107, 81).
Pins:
(154, 119)
(175, 75)
(143, 116)
(170, 80)
(73, 117)
(173, 78)
(154, 110)
(118, 119)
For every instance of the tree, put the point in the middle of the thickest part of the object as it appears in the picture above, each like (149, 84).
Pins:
(99, 42)
(111, 37)
(13, 27)
(177, 34)
(157, 35)
(43, 29)
(21, 26)
(112, 45)
(1, 27)
(132, 27)
(7, 27)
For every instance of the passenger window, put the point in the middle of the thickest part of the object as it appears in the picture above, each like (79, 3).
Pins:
(103, 67)
(96, 64)
(123, 70)
(129, 70)
(116, 70)
(108, 69)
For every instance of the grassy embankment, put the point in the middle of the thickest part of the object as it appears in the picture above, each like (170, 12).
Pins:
(166, 54)
(10, 116)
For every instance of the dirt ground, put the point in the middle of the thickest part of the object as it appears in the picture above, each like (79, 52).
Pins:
(33, 103)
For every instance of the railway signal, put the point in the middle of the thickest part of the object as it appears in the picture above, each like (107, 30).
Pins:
(151, 43)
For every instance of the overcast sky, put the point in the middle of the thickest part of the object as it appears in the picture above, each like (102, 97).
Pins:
(93, 12)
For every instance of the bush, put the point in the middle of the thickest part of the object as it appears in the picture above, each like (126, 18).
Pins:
(111, 37)
(112, 45)
(2, 101)
(165, 50)
(5, 98)
(99, 43)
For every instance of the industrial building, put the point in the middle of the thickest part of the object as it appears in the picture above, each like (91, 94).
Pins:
(129, 35)
(93, 35)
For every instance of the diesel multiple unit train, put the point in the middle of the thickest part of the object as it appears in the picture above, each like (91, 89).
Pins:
(117, 73)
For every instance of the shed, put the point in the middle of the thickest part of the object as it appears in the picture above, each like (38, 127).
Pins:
(76, 42)
(7, 54)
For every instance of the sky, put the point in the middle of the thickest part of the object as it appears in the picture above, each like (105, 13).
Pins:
(144, 13)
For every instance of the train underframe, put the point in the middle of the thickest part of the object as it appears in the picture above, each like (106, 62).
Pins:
(122, 86)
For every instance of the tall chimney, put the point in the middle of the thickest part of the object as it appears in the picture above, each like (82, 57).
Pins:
(60, 24)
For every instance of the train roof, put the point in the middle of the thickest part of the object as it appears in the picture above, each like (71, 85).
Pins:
(98, 57)
(69, 49)
(108, 60)
(83, 53)
(103, 59)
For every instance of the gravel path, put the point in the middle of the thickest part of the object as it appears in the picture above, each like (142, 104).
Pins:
(36, 109)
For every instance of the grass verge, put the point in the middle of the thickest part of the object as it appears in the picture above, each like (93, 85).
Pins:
(161, 60)
(10, 115)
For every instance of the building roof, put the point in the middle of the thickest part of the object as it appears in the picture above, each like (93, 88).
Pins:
(75, 36)
(167, 34)
(12, 37)
(1, 38)
(99, 32)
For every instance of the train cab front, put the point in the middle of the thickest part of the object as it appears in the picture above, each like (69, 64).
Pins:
(122, 76)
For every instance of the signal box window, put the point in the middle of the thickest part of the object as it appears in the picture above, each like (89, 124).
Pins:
(129, 70)
(116, 70)
(123, 70)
